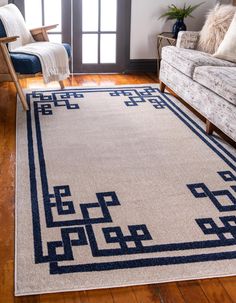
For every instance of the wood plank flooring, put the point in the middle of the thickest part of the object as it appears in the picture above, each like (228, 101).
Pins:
(221, 290)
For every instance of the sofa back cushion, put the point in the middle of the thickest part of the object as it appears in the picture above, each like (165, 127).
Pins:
(186, 60)
(215, 27)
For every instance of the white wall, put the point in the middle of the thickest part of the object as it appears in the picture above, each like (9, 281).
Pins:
(145, 24)
(3, 2)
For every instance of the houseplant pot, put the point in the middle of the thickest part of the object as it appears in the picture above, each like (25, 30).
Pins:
(178, 26)
(179, 14)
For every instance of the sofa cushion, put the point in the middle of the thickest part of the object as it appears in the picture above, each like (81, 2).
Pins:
(26, 64)
(186, 60)
(30, 64)
(221, 80)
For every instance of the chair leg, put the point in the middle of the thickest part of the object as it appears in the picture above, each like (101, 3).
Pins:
(61, 84)
(162, 87)
(21, 95)
(14, 75)
(209, 127)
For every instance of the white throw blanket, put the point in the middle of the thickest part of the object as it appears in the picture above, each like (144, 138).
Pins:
(53, 57)
(14, 25)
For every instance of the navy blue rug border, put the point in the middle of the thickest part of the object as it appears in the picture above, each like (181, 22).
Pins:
(54, 267)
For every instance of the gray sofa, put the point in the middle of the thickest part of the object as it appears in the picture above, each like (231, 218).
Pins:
(207, 83)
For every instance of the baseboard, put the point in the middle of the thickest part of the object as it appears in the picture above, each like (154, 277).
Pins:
(142, 66)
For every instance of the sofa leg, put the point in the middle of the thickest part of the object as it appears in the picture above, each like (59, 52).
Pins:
(209, 127)
(162, 86)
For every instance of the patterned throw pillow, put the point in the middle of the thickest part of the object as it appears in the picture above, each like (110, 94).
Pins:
(215, 27)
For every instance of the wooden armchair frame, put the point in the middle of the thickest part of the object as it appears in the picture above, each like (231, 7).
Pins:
(7, 71)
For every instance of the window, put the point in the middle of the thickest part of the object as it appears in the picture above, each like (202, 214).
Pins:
(45, 12)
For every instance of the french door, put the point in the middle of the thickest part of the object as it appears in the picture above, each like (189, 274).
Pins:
(100, 35)
(98, 30)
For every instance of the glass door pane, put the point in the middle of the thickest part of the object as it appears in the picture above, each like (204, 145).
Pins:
(45, 12)
(52, 13)
(108, 48)
(90, 48)
(90, 15)
(56, 38)
(33, 13)
(108, 15)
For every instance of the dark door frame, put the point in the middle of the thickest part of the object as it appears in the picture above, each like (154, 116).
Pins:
(122, 46)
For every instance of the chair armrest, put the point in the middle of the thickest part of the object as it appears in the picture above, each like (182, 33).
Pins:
(188, 39)
(8, 39)
(46, 28)
(40, 33)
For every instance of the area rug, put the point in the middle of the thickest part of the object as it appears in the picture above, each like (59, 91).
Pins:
(119, 186)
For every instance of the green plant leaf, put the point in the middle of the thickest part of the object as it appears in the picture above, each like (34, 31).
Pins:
(175, 12)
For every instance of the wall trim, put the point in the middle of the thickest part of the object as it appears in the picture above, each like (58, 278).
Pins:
(141, 66)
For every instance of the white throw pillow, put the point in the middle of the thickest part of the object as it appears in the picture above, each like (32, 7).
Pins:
(14, 25)
(227, 48)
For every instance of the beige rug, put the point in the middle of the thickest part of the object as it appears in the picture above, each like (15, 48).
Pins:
(119, 186)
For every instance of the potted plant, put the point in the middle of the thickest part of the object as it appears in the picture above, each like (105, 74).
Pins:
(179, 14)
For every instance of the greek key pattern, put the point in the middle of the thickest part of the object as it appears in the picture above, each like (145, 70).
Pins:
(224, 200)
(45, 102)
(142, 96)
(80, 232)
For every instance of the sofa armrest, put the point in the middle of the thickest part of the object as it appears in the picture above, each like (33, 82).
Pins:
(188, 39)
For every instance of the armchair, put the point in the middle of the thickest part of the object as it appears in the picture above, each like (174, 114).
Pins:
(15, 66)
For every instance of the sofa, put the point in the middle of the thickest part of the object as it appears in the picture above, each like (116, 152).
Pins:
(207, 83)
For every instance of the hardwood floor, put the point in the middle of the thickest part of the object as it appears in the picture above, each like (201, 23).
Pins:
(221, 290)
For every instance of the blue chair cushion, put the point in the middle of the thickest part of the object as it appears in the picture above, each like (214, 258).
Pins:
(2, 30)
(30, 64)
